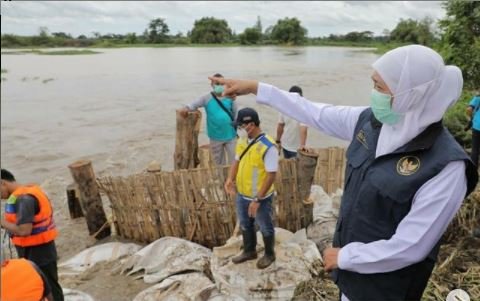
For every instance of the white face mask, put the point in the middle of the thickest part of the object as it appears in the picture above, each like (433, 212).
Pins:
(242, 133)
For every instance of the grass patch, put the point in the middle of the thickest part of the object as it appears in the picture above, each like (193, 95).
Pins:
(167, 45)
(456, 119)
(54, 52)
(21, 52)
(379, 47)
(47, 80)
(68, 52)
(4, 71)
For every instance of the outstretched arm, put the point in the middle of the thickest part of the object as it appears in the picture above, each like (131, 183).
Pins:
(337, 121)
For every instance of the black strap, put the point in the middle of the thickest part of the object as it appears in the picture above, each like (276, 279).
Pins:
(250, 145)
(230, 114)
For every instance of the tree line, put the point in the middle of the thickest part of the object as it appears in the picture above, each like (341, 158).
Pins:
(209, 30)
(456, 36)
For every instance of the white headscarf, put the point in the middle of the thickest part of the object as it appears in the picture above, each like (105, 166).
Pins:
(423, 89)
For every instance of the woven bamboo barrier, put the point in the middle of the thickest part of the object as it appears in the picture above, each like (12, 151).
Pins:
(190, 204)
(330, 170)
(193, 205)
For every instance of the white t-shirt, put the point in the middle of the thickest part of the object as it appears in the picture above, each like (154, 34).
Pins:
(291, 133)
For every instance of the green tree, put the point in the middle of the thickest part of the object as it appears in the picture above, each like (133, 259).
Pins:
(460, 46)
(413, 31)
(131, 38)
(267, 35)
(210, 30)
(61, 35)
(179, 38)
(289, 31)
(356, 36)
(43, 38)
(460, 41)
(250, 36)
(157, 31)
(10, 40)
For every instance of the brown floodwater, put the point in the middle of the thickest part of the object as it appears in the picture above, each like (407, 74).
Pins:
(117, 108)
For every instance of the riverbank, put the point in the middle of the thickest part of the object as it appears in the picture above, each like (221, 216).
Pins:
(378, 48)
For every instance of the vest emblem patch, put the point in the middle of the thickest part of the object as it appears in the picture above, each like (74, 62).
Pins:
(362, 138)
(408, 165)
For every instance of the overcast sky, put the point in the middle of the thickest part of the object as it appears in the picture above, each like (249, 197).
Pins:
(320, 18)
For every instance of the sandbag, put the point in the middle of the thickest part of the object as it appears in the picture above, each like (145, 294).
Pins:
(295, 258)
(91, 256)
(325, 214)
(165, 257)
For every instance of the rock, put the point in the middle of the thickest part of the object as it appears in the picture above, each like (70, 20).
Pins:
(167, 256)
(91, 256)
(295, 257)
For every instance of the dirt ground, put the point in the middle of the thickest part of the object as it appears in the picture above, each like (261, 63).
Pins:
(103, 285)
(99, 281)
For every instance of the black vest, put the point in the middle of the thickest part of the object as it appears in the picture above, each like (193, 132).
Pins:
(378, 194)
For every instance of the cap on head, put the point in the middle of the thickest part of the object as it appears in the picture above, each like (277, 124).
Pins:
(296, 89)
(247, 115)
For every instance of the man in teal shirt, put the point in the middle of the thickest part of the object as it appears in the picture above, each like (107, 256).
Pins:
(472, 111)
(221, 111)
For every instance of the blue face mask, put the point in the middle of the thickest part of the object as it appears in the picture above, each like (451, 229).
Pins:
(218, 89)
(382, 109)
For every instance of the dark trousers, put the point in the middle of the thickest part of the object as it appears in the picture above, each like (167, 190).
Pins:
(50, 271)
(263, 217)
(288, 154)
(475, 146)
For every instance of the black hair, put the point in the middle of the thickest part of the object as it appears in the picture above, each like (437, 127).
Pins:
(218, 75)
(296, 89)
(7, 176)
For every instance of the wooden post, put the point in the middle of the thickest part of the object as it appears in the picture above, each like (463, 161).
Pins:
(307, 163)
(73, 200)
(205, 156)
(186, 140)
(84, 177)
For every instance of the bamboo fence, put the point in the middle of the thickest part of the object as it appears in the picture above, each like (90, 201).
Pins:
(330, 170)
(192, 204)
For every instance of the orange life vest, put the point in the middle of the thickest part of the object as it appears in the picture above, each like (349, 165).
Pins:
(43, 226)
(20, 281)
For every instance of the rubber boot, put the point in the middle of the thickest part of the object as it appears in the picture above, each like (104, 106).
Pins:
(269, 257)
(249, 247)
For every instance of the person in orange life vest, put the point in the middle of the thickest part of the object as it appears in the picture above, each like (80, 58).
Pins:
(29, 220)
(22, 279)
